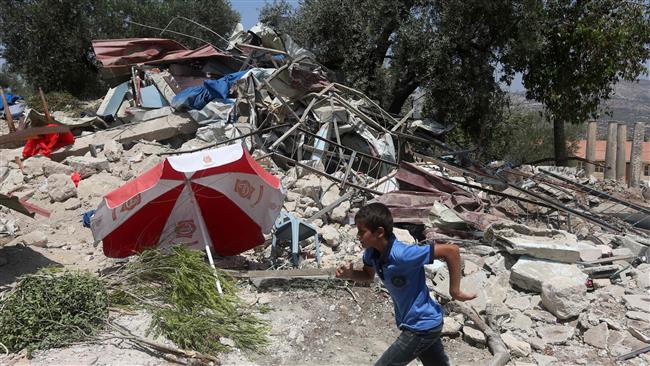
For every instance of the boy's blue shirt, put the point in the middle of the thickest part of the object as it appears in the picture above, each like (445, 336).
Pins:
(401, 268)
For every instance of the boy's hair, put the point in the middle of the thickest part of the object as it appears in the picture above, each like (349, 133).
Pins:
(376, 215)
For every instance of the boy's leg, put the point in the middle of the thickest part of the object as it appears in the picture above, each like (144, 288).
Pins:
(434, 355)
(401, 352)
(410, 345)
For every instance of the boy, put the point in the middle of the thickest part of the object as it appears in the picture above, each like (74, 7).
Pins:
(401, 269)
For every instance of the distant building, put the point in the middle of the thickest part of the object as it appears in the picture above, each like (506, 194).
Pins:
(601, 145)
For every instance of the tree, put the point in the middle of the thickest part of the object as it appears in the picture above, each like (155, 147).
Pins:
(583, 49)
(48, 41)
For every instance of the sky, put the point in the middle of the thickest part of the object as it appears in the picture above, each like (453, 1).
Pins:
(250, 9)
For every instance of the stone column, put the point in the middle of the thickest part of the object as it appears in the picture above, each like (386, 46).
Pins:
(592, 134)
(636, 164)
(621, 159)
(610, 152)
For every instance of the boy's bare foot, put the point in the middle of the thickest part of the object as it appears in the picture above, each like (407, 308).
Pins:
(462, 296)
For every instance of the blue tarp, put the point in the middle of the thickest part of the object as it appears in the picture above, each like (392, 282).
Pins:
(197, 97)
(11, 99)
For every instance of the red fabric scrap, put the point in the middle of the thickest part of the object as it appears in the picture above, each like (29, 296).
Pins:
(44, 144)
(76, 177)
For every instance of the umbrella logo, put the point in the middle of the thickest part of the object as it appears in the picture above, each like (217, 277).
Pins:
(131, 203)
(185, 229)
(244, 189)
(207, 160)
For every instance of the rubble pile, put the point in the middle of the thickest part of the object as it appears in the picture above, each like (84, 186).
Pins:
(559, 261)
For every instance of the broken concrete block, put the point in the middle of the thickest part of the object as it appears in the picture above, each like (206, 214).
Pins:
(556, 245)
(60, 187)
(520, 303)
(97, 186)
(13, 180)
(33, 166)
(52, 167)
(529, 273)
(630, 242)
(597, 336)
(638, 315)
(564, 297)
(543, 360)
(308, 186)
(451, 327)
(340, 213)
(643, 276)
(556, 334)
(330, 235)
(517, 347)
(637, 302)
(474, 337)
(113, 151)
(330, 195)
(87, 165)
(36, 238)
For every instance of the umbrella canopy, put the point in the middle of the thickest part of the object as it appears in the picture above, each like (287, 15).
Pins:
(221, 197)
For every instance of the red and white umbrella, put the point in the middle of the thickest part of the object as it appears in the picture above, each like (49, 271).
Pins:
(220, 198)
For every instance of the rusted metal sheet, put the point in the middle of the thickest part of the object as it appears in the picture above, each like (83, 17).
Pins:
(118, 55)
(414, 178)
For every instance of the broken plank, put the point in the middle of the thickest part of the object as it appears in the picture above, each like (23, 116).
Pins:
(28, 133)
(609, 259)
(153, 130)
(8, 117)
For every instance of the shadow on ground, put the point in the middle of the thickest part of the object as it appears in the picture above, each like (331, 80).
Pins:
(21, 260)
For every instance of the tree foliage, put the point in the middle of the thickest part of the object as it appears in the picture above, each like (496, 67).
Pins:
(583, 48)
(48, 41)
(571, 53)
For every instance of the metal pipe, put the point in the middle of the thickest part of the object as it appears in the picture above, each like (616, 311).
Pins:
(598, 193)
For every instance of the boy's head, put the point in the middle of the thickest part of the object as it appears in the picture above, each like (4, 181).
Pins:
(374, 223)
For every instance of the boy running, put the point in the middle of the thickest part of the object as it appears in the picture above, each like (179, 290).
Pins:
(401, 269)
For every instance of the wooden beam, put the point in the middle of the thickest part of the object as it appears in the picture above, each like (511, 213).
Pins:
(8, 117)
(28, 133)
(46, 110)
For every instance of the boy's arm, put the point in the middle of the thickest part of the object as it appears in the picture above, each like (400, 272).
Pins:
(349, 273)
(450, 254)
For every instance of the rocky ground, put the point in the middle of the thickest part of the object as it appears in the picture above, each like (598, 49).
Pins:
(541, 322)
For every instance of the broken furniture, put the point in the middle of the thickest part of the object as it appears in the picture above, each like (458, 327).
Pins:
(287, 227)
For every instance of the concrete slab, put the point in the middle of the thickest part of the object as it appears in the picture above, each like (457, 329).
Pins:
(153, 130)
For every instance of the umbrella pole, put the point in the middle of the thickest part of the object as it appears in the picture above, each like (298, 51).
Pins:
(204, 233)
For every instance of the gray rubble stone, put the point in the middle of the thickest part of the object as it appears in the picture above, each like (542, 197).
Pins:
(643, 276)
(556, 334)
(52, 167)
(340, 213)
(87, 165)
(113, 151)
(543, 360)
(520, 303)
(564, 297)
(33, 166)
(541, 316)
(637, 302)
(529, 273)
(474, 337)
(14, 179)
(97, 185)
(60, 187)
(35, 238)
(597, 336)
(638, 315)
(330, 235)
(517, 347)
(308, 186)
(451, 327)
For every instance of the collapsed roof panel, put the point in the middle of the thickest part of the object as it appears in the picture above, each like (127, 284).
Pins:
(118, 55)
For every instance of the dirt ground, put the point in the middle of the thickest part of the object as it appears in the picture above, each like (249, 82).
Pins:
(316, 324)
